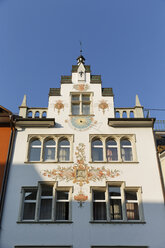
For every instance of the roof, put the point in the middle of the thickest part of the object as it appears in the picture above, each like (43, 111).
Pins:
(107, 92)
(54, 92)
(75, 68)
(4, 111)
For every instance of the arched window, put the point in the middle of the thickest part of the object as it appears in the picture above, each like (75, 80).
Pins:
(44, 114)
(131, 114)
(124, 114)
(64, 150)
(117, 114)
(97, 150)
(35, 150)
(49, 150)
(37, 114)
(30, 114)
(126, 150)
(111, 150)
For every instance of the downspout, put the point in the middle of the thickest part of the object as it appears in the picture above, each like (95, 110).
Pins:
(7, 167)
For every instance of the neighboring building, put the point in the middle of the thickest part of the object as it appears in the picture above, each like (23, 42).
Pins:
(159, 131)
(82, 177)
(6, 141)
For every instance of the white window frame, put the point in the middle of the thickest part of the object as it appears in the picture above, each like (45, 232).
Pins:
(80, 102)
(116, 137)
(38, 202)
(123, 189)
(43, 138)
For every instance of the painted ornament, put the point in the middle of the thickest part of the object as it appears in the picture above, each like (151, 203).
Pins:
(103, 105)
(59, 105)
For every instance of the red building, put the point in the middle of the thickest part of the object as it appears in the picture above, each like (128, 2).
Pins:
(7, 131)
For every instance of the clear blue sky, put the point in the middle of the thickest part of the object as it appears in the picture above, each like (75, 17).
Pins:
(123, 40)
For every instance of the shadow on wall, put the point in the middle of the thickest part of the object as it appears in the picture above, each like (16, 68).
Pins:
(40, 211)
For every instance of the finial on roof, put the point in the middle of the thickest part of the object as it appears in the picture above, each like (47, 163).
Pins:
(137, 103)
(24, 101)
(80, 59)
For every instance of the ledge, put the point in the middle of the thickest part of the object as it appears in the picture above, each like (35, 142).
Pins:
(44, 222)
(131, 122)
(35, 122)
(117, 222)
(114, 162)
(47, 162)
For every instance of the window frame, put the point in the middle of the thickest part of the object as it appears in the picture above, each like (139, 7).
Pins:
(123, 189)
(37, 219)
(117, 138)
(81, 102)
(44, 138)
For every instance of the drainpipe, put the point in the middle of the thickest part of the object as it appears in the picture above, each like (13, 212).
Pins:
(7, 167)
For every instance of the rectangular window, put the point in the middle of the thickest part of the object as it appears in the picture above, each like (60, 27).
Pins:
(62, 205)
(99, 205)
(115, 203)
(121, 204)
(29, 207)
(132, 205)
(80, 104)
(45, 203)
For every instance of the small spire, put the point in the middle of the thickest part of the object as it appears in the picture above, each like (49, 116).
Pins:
(80, 59)
(24, 102)
(137, 102)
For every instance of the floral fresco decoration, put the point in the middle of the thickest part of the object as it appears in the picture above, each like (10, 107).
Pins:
(80, 173)
(81, 87)
(59, 105)
(103, 105)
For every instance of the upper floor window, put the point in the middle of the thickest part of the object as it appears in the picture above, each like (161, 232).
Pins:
(45, 203)
(121, 204)
(64, 150)
(35, 150)
(126, 150)
(54, 148)
(111, 150)
(49, 150)
(81, 104)
(114, 148)
(97, 150)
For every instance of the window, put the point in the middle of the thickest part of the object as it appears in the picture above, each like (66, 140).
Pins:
(45, 203)
(114, 148)
(35, 150)
(81, 104)
(126, 150)
(99, 205)
(64, 150)
(116, 203)
(111, 150)
(50, 149)
(97, 150)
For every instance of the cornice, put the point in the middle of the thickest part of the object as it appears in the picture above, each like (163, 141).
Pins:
(131, 122)
(34, 122)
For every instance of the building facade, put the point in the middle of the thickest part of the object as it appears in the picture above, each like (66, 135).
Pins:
(7, 131)
(84, 173)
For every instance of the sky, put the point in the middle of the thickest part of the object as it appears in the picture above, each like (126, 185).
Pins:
(123, 40)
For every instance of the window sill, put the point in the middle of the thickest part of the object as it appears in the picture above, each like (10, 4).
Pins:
(117, 222)
(81, 115)
(48, 162)
(45, 222)
(114, 162)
